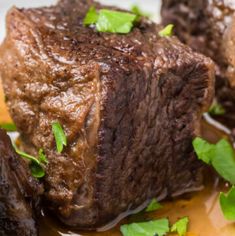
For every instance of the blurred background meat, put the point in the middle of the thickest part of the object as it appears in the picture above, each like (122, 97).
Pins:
(19, 193)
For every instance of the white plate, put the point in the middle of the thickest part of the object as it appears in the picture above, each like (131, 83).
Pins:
(151, 6)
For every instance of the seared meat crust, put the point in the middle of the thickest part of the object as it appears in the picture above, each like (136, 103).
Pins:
(129, 105)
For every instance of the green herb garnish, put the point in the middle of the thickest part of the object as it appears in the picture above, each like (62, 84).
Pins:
(36, 166)
(9, 127)
(59, 135)
(180, 226)
(91, 16)
(153, 205)
(167, 31)
(115, 21)
(216, 109)
(37, 171)
(27, 156)
(221, 156)
(110, 21)
(227, 204)
(42, 157)
(150, 228)
(136, 10)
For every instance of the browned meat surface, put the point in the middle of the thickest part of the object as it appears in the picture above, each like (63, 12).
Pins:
(228, 47)
(208, 27)
(129, 105)
(18, 193)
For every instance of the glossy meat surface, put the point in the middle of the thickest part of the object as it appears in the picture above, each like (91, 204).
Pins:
(18, 193)
(129, 105)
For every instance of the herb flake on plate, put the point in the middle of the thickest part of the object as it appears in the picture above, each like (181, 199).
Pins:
(167, 31)
(220, 155)
(181, 226)
(153, 205)
(227, 204)
(216, 109)
(151, 228)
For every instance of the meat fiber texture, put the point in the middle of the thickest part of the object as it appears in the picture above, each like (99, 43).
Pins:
(208, 27)
(19, 193)
(130, 106)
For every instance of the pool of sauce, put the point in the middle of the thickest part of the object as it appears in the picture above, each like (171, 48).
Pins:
(202, 207)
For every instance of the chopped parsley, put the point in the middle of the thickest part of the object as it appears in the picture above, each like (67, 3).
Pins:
(167, 31)
(60, 137)
(37, 170)
(150, 228)
(27, 156)
(9, 127)
(110, 21)
(227, 204)
(91, 16)
(42, 157)
(216, 109)
(36, 164)
(180, 226)
(220, 155)
(153, 205)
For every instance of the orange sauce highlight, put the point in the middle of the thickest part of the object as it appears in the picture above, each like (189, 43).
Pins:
(4, 115)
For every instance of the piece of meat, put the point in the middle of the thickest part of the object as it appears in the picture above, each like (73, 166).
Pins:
(228, 47)
(206, 26)
(18, 193)
(129, 105)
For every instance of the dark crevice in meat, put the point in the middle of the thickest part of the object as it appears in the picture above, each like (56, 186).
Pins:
(19, 193)
(130, 106)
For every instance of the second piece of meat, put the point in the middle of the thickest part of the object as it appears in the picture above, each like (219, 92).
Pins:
(19, 193)
(208, 26)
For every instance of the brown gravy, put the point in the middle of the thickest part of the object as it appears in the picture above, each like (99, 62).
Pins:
(201, 207)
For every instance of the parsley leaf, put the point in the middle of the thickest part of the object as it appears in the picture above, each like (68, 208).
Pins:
(150, 228)
(227, 204)
(115, 21)
(167, 31)
(180, 226)
(59, 135)
(203, 149)
(26, 156)
(9, 127)
(216, 109)
(37, 171)
(221, 156)
(153, 205)
(91, 16)
(110, 21)
(42, 157)
(36, 167)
